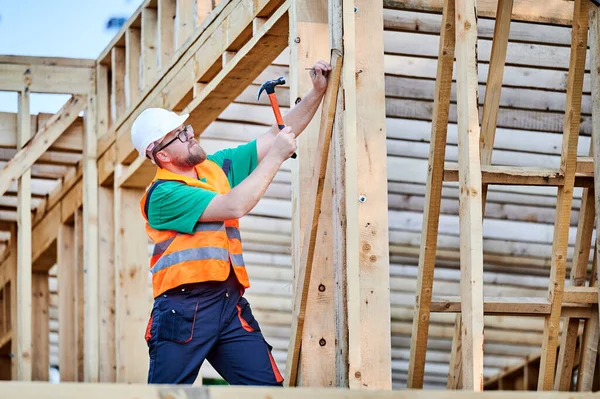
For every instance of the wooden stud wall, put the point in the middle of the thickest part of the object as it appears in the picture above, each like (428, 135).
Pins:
(169, 83)
(309, 24)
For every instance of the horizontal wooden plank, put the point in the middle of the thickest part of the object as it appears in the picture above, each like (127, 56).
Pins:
(48, 61)
(507, 118)
(515, 76)
(414, 21)
(511, 97)
(550, 12)
(521, 175)
(520, 54)
(581, 295)
(46, 78)
(509, 306)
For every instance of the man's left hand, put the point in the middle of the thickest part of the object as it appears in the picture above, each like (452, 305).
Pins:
(319, 75)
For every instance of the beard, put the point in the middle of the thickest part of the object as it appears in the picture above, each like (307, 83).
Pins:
(195, 156)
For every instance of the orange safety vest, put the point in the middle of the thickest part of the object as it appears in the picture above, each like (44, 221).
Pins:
(205, 255)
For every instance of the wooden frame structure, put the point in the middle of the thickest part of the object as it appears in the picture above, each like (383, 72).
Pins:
(458, 39)
(85, 234)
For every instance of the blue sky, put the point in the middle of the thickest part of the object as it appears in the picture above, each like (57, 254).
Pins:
(56, 28)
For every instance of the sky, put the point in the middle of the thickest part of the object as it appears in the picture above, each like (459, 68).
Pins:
(56, 28)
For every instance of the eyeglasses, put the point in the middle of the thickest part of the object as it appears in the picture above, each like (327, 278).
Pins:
(181, 136)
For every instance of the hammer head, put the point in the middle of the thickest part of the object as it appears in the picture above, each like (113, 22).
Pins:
(269, 86)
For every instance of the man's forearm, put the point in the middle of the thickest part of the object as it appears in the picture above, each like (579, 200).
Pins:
(298, 118)
(245, 195)
(300, 115)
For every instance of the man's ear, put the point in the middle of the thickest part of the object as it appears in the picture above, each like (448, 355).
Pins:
(163, 156)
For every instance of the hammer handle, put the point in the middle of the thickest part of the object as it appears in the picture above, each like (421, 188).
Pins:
(277, 113)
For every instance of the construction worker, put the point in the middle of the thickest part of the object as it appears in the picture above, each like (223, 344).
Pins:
(198, 273)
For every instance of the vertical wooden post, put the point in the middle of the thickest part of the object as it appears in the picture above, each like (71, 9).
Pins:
(133, 293)
(133, 51)
(66, 303)
(203, 8)
(106, 282)
(80, 299)
(102, 100)
(149, 46)
(13, 298)
(310, 30)
(106, 248)
(366, 197)
(41, 327)
(24, 257)
(117, 95)
(470, 212)
(166, 31)
(339, 221)
(488, 133)
(90, 236)
(565, 192)
(184, 24)
(581, 255)
(591, 334)
(433, 196)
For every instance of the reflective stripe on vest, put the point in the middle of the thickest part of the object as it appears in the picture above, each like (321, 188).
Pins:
(205, 253)
(186, 255)
(208, 251)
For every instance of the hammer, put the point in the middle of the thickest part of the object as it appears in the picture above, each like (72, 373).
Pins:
(269, 86)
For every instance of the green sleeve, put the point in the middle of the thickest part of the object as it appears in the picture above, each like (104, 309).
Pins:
(244, 159)
(177, 206)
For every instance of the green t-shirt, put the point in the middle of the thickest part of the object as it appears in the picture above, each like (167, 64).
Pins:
(177, 206)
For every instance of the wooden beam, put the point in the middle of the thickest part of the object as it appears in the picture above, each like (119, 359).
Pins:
(512, 306)
(433, 191)
(12, 267)
(309, 23)
(24, 256)
(489, 119)
(66, 296)
(41, 327)
(367, 244)
(149, 58)
(133, 293)
(565, 192)
(186, 14)
(106, 286)
(338, 217)
(45, 78)
(48, 61)
(203, 8)
(30, 150)
(167, 10)
(470, 214)
(117, 92)
(312, 219)
(553, 12)
(133, 51)
(90, 237)
(79, 294)
(591, 333)
(521, 175)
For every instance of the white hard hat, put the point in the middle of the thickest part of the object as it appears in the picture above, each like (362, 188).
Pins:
(153, 124)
